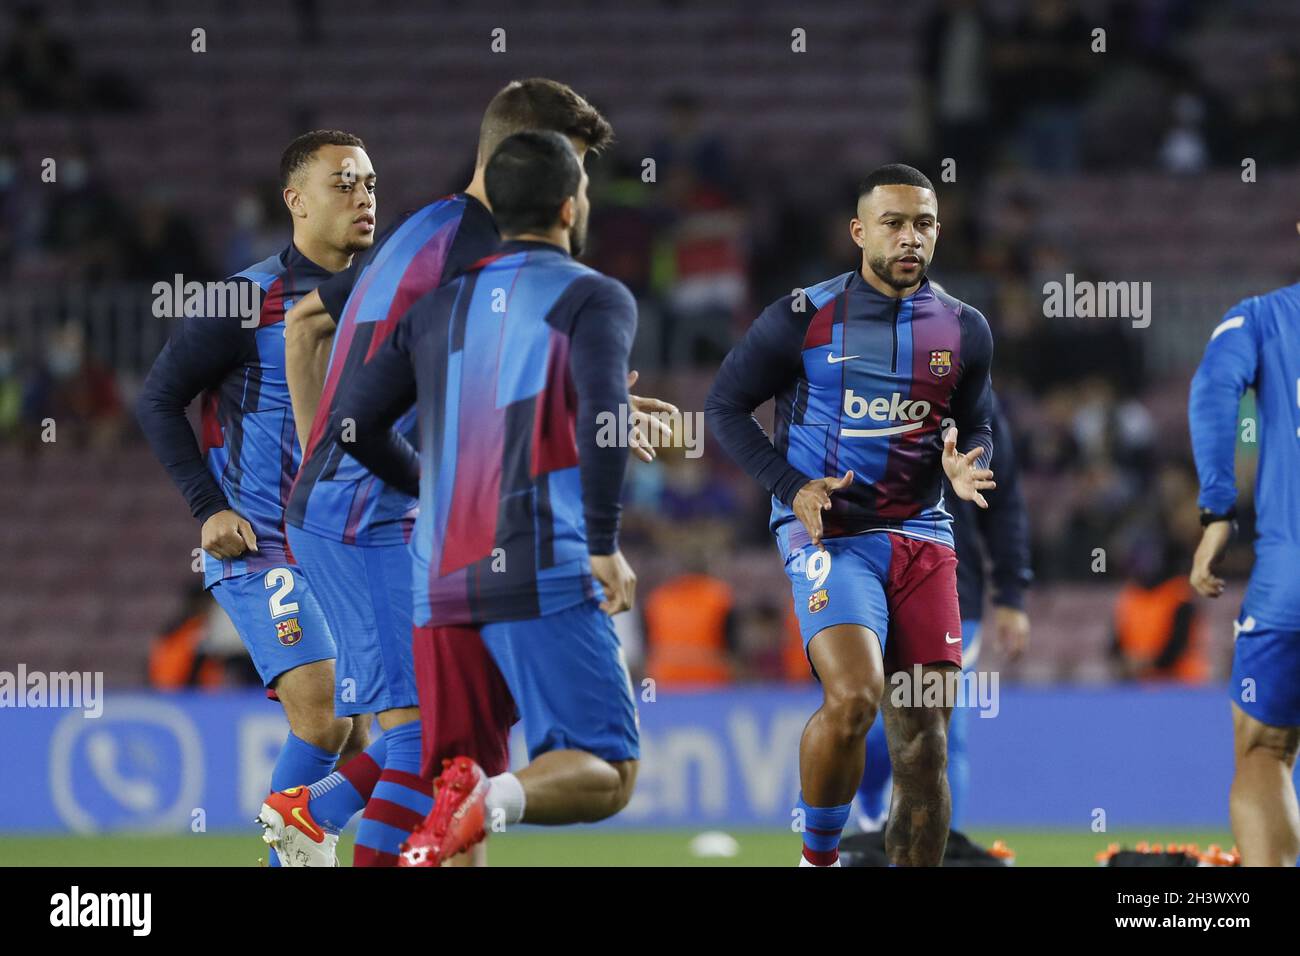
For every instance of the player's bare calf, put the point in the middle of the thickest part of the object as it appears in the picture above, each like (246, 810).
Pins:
(307, 694)
(1265, 817)
(559, 787)
(847, 659)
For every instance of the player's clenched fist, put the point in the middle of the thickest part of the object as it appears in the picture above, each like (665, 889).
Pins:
(967, 480)
(814, 498)
(227, 535)
(617, 578)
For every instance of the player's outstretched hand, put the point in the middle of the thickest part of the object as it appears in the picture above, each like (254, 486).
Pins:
(227, 535)
(617, 578)
(814, 498)
(649, 430)
(967, 479)
(1214, 539)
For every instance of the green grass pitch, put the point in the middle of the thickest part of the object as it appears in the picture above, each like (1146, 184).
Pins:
(568, 847)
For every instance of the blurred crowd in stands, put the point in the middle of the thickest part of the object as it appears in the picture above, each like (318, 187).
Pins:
(717, 236)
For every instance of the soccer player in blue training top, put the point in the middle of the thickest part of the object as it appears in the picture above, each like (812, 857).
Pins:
(877, 377)
(1257, 345)
(347, 527)
(518, 368)
(1001, 529)
(238, 484)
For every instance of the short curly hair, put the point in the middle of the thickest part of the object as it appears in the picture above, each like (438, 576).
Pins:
(299, 153)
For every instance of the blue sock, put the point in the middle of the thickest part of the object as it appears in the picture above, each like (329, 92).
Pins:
(401, 801)
(958, 766)
(299, 764)
(874, 789)
(336, 798)
(821, 832)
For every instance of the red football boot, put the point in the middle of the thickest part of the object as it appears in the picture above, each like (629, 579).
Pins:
(457, 819)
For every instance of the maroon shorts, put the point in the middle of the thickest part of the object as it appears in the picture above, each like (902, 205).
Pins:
(924, 616)
(465, 705)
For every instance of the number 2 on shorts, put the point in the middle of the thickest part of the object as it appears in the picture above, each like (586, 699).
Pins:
(282, 580)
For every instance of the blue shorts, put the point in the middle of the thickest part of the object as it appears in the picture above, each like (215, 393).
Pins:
(569, 680)
(1266, 672)
(903, 589)
(365, 593)
(278, 618)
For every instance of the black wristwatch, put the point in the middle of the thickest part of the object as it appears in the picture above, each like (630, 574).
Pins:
(1209, 517)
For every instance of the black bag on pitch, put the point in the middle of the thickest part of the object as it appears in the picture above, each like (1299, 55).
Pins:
(868, 849)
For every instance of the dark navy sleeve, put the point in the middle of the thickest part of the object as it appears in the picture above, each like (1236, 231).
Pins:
(476, 237)
(600, 342)
(335, 290)
(379, 393)
(1004, 524)
(763, 363)
(200, 353)
(972, 401)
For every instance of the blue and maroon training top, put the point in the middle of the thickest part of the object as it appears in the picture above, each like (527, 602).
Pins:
(519, 370)
(862, 381)
(250, 448)
(334, 496)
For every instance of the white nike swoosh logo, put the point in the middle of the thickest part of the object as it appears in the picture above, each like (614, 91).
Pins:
(877, 432)
(833, 360)
(952, 640)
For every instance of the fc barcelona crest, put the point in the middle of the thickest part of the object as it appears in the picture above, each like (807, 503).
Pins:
(941, 361)
(817, 600)
(288, 632)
